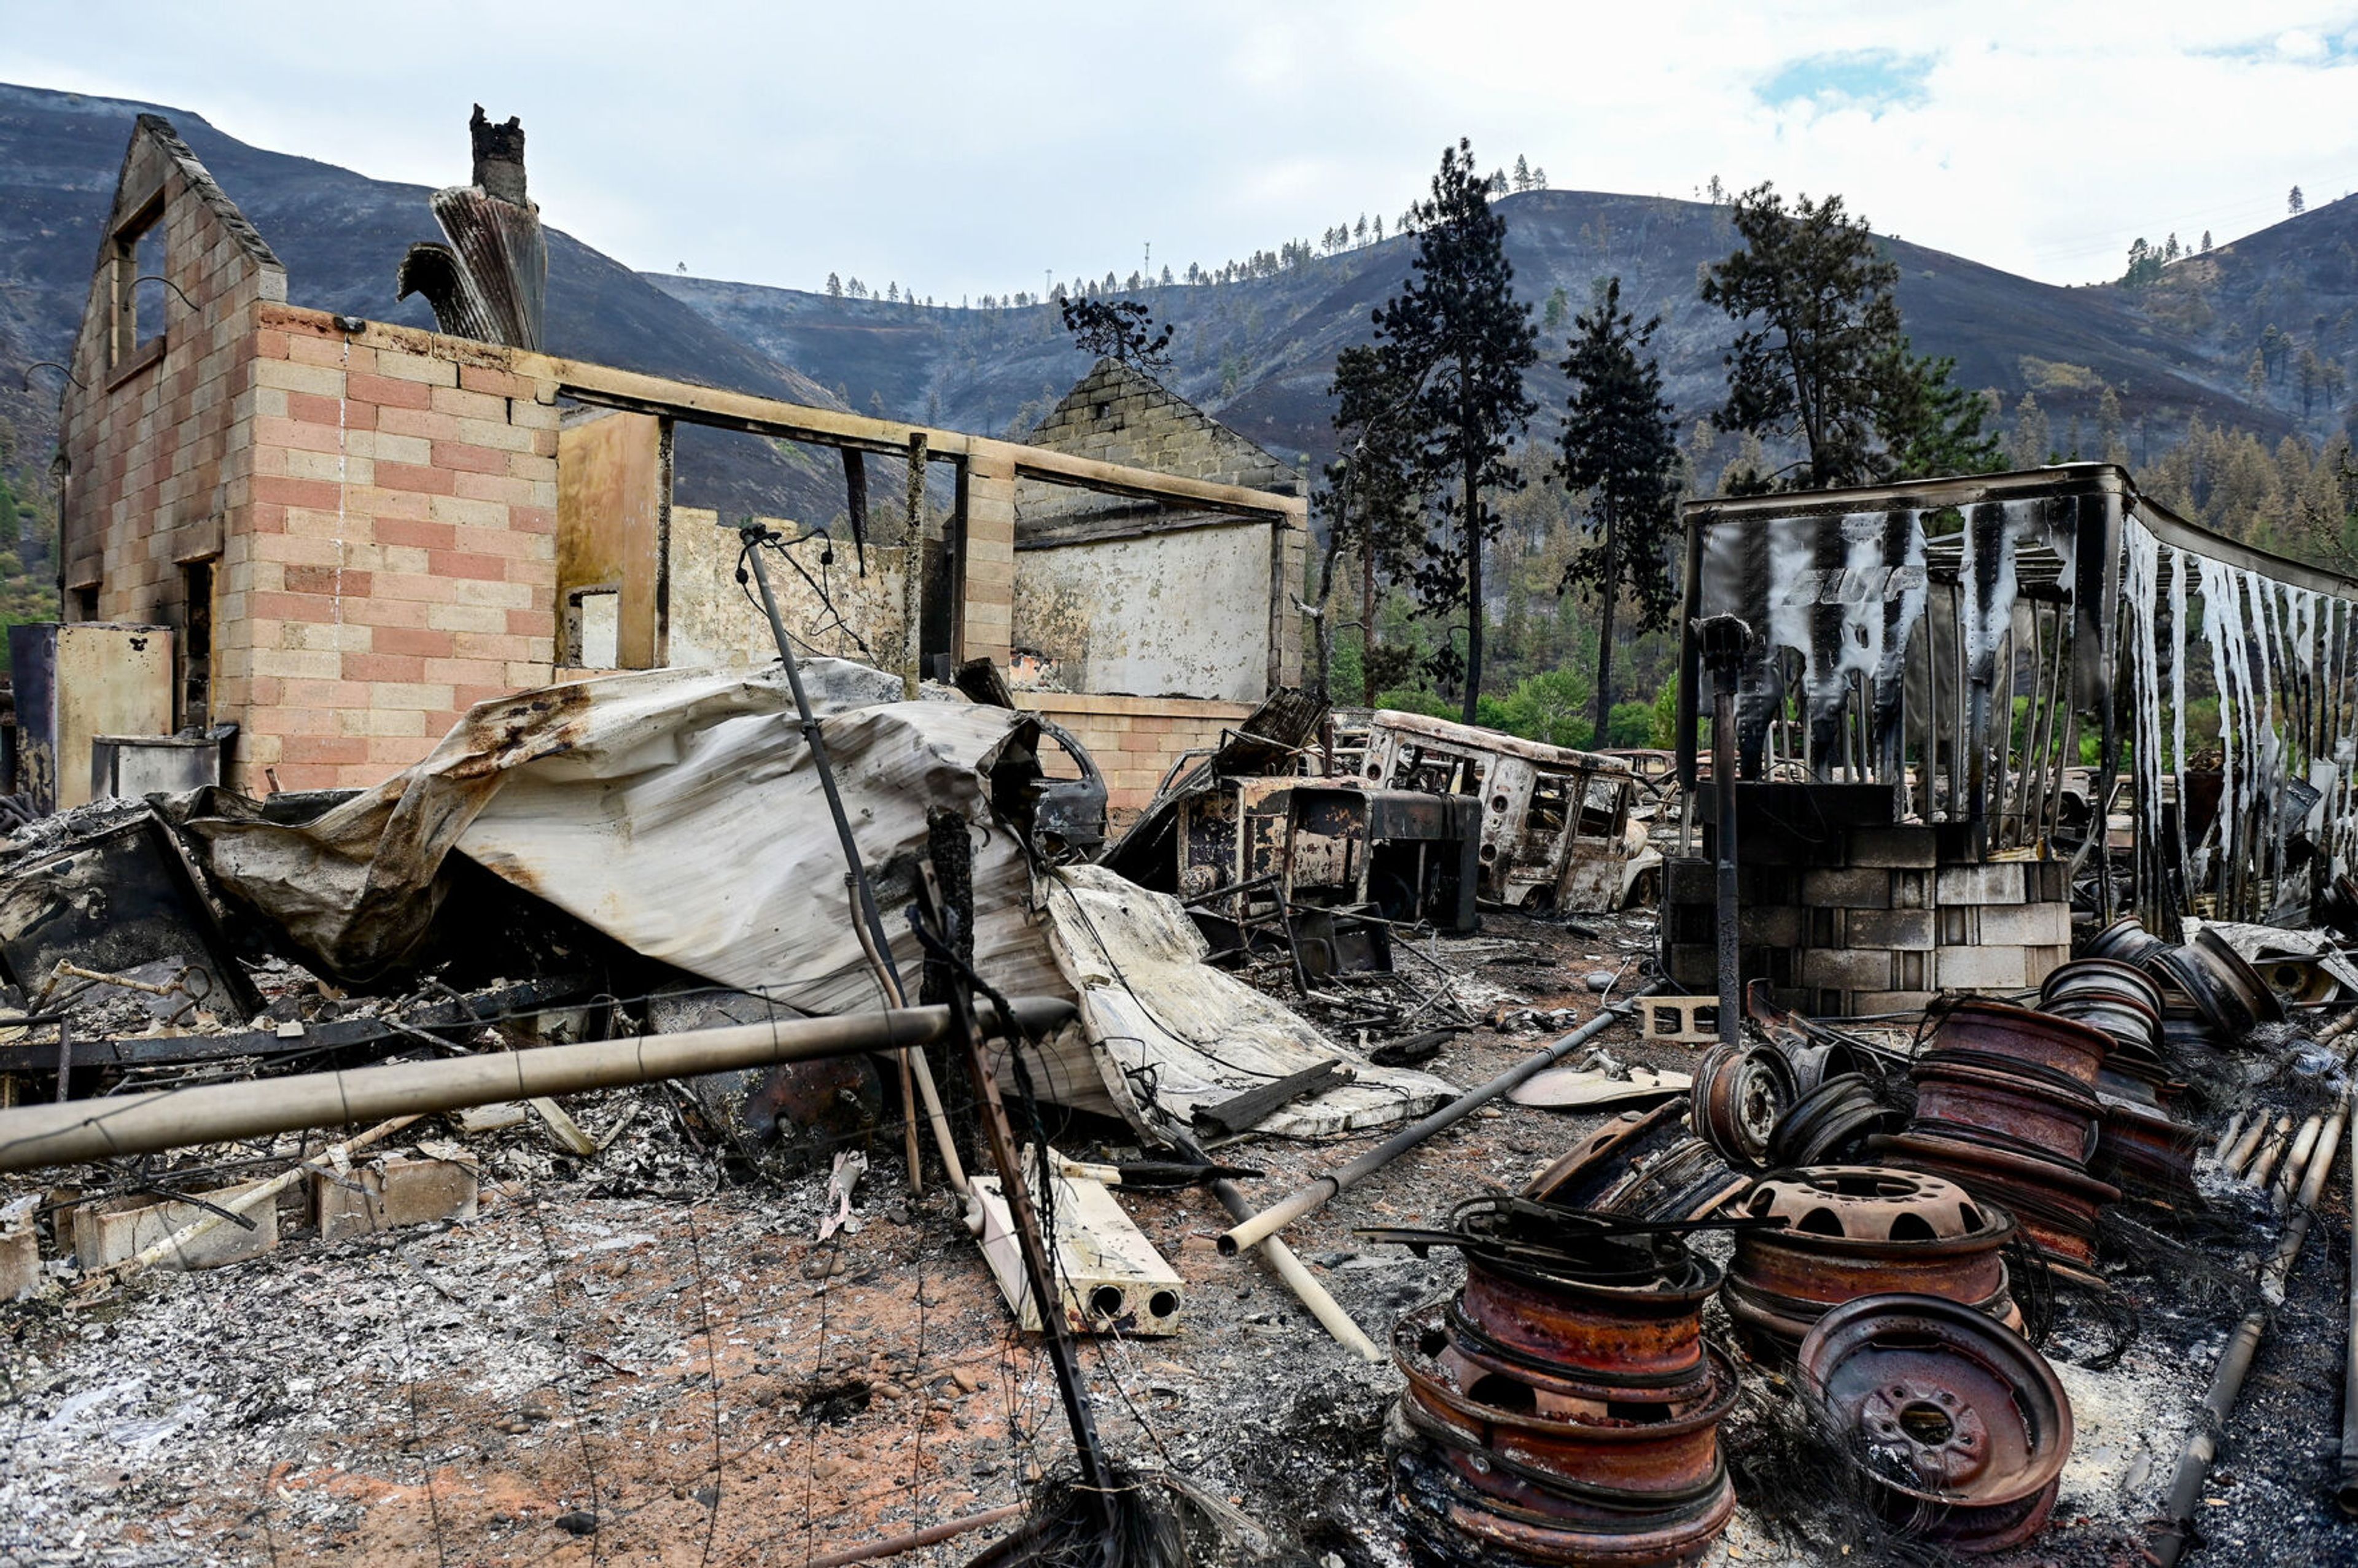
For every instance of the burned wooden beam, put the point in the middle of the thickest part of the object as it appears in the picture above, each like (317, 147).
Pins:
(344, 1033)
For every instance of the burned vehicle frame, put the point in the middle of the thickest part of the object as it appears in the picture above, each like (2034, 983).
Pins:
(1554, 821)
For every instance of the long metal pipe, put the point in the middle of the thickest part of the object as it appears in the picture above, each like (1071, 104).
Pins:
(1318, 1193)
(1288, 1267)
(82, 1131)
(2174, 1529)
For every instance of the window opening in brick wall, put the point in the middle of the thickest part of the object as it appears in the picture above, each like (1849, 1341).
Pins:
(139, 308)
(593, 627)
(196, 644)
(85, 603)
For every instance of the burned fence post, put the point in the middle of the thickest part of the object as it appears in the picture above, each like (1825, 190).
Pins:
(864, 895)
(1724, 642)
(1089, 1451)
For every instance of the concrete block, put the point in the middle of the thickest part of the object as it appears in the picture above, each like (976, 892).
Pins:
(391, 1191)
(1911, 890)
(1910, 928)
(107, 1233)
(1770, 926)
(2001, 881)
(2038, 963)
(1864, 1004)
(1844, 969)
(1894, 846)
(20, 1263)
(1847, 887)
(2024, 924)
(1688, 880)
(1694, 966)
(1979, 968)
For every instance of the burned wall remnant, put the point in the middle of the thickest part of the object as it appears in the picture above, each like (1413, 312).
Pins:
(2026, 663)
(362, 521)
(1121, 596)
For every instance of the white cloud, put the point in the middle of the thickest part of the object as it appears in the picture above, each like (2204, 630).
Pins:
(967, 148)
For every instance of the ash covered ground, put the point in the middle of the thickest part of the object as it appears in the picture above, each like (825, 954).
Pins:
(635, 1337)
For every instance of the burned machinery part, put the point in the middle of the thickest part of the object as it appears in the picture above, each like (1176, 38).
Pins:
(1962, 1426)
(1554, 831)
(1318, 1193)
(119, 897)
(1563, 1406)
(79, 1131)
(1723, 641)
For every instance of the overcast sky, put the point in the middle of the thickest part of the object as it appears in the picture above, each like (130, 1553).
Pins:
(972, 148)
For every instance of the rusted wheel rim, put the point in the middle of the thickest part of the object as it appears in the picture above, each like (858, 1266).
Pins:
(1534, 1522)
(2042, 1109)
(2127, 941)
(2023, 1035)
(2055, 1203)
(1602, 1160)
(1828, 1119)
(2253, 991)
(1949, 1408)
(1863, 1230)
(1690, 1180)
(1738, 1095)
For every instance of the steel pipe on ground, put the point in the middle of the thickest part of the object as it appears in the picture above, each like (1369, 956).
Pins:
(2173, 1531)
(81, 1130)
(1323, 1191)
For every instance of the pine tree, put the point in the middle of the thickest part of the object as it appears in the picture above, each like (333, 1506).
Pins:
(1374, 505)
(1456, 334)
(834, 287)
(2030, 444)
(2296, 203)
(1522, 172)
(1621, 448)
(2206, 242)
(1819, 360)
(2108, 428)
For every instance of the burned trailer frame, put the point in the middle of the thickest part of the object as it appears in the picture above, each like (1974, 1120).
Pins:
(1958, 641)
(1554, 821)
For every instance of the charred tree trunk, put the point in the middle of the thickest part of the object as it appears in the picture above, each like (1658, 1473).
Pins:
(1610, 592)
(1473, 586)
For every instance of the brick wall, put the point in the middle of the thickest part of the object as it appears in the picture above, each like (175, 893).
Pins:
(1134, 739)
(397, 562)
(154, 439)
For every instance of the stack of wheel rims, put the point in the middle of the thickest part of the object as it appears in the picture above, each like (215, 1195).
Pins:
(2005, 1108)
(1562, 1407)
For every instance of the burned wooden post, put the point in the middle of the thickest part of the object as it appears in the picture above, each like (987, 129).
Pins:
(912, 571)
(1089, 1451)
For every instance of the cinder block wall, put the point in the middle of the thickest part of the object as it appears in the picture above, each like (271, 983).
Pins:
(1889, 917)
(396, 562)
(1134, 739)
